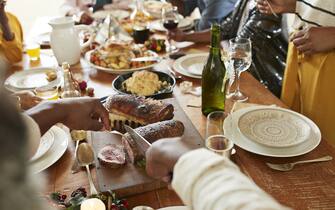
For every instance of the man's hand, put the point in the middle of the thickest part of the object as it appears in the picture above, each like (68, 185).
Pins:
(27, 99)
(163, 155)
(314, 40)
(278, 6)
(6, 30)
(75, 113)
(177, 35)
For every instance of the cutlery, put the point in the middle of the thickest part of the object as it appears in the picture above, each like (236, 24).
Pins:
(116, 132)
(75, 166)
(173, 73)
(148, 58)
(193, 106)
(289, 166)
(142, 144)
(85, 157)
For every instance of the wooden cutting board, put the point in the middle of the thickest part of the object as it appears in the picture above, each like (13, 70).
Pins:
(130, 179)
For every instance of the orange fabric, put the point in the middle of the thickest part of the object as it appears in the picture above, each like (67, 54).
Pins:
(309, 88)
(12, 50)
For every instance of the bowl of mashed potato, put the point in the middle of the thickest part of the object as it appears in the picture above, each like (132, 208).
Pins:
(146, 83)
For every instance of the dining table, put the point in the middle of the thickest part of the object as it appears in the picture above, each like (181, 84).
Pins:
(310, 186)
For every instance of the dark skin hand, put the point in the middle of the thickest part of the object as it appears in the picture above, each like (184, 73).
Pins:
(27, 99)
(163, 155)
(314, 40)
(75, 113)
(7, 32)
(278, 6)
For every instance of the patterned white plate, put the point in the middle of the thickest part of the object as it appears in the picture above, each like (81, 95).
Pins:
(232, 132)
(46, 142)
(274, 127)
(191, 65)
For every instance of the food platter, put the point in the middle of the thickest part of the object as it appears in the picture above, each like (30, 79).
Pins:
(117, 13)
(231, 127)
(119, 71)
(117, 84)
(191, 65)
(32, 78)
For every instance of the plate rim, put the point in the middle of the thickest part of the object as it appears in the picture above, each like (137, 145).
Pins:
(64, 139)
(177, 64)
(256, 148)
(32, 159)
(114, 71)
(268, 145)
(27, 71)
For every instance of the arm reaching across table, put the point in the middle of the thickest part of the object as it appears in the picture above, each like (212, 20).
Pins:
(204, 180)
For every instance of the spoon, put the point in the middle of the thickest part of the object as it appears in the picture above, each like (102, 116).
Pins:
(116, 132)
(85, 157)
(289, 166)
(174, 73)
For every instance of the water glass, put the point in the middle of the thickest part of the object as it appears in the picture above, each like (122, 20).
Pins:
(220, 145)
(215, 123)
(239, 60)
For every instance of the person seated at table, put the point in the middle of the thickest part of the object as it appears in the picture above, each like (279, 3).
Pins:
(11, 36)
(268, 41)
(309, 76)
(205, 180)
(80, 9)
(212, 11)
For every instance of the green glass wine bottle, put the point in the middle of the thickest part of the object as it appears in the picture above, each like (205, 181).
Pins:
(213, 76)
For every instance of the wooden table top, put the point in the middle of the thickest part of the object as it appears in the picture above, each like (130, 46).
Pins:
(307, 187)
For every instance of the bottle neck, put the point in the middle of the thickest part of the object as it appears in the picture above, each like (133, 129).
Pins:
(215, 36)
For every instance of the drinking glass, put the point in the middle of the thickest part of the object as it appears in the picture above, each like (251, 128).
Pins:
(214, 124)
(170, 19)
(33, 51)
(239, 60)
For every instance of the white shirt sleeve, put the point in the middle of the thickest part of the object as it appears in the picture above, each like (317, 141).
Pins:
(206, 181)
(33, 134)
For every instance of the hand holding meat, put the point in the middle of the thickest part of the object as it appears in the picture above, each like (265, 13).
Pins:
(314, 40)
(163, 155)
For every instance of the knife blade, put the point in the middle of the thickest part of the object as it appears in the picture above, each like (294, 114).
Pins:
(142, 144)
(148, 58)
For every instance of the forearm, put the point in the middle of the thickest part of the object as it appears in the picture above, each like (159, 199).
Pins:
(198, 37)
(331, 31)
(8, 35)
(216, 183)
(45, 114)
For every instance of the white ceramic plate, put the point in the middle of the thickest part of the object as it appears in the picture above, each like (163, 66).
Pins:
(232, 131)
(191, 65)
(55, 152)
(184, 24)
(154, 8)
(46, 142)
(118, 71)
(32, 78)
(274, 127)
(118, 14)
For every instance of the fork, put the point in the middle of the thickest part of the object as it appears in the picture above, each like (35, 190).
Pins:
(289, 166)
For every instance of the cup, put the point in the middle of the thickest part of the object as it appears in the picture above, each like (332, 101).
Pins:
(220, 145)
(214, 124)
(47, 92)
(140, 34)
(33, 51)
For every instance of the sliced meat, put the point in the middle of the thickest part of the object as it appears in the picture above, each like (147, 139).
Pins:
(152, 132)
(112, 155)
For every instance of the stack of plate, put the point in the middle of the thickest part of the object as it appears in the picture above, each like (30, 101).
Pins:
(272, 131)
(52, 147)
(191, 65)
(31, 78)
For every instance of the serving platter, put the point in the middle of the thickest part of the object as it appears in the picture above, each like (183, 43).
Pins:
(117, 13)
(191, 65)
(118, 71)
(131, 179)
(231, 127)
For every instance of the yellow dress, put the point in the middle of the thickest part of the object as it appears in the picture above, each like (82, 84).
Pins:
(309, 88)
(12, 50)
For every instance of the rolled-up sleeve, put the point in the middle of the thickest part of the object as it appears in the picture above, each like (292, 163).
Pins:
(206, 181)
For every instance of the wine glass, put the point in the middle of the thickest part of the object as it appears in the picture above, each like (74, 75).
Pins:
(170, 21)
(89, 4)
(239, 60)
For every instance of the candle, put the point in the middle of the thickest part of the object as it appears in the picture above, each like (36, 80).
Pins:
(92, 204)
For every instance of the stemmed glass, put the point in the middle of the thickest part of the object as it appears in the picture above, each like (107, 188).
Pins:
(170, 19)
(239, 60)
(89, 4)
